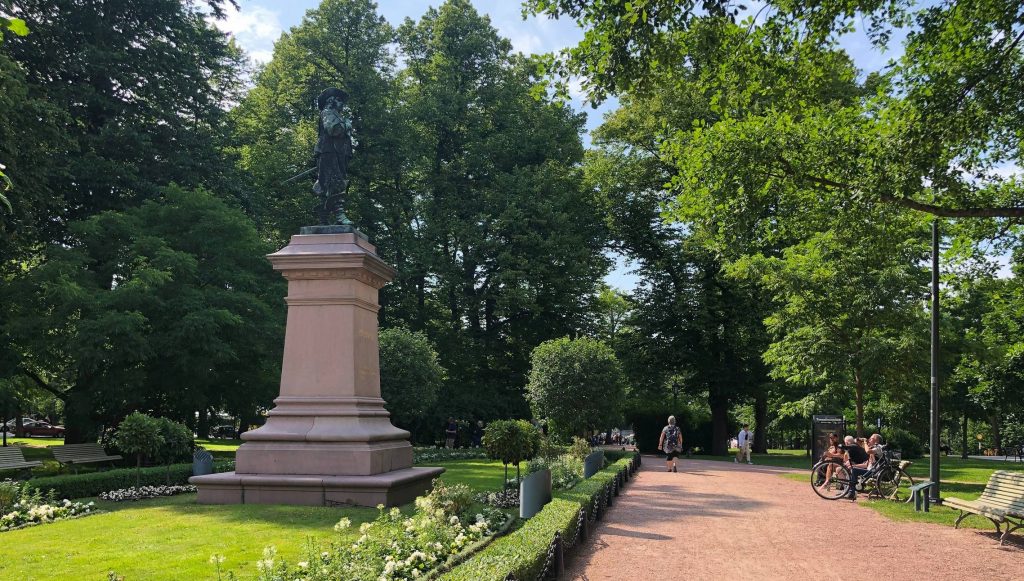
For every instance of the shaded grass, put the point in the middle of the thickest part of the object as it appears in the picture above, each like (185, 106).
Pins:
(904, 512)
(173, 538)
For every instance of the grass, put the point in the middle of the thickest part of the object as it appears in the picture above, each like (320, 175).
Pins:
(960, 478)
(173, 538)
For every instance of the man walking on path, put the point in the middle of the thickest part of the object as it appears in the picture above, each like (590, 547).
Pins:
(743, 441)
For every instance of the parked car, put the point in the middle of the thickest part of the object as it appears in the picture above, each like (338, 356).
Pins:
(12, 424)
(224, 431)
(38, 428)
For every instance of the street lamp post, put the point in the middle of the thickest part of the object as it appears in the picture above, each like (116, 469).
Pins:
(933, 460)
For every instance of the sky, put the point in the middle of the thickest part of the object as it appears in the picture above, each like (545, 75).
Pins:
(258, 23)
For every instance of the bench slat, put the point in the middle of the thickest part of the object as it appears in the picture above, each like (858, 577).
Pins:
(81, 454)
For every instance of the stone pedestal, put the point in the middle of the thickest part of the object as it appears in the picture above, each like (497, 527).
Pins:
(328, 440)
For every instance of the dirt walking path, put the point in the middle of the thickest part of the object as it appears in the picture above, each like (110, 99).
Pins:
(718, 520)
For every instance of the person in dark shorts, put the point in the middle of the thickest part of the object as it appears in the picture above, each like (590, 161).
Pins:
(671, 442)
(858, 461)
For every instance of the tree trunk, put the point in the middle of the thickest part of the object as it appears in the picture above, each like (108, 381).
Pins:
(997, 436)
(719, 427)
(19, 425)
(203, 424)
(964, 442)
(80, 426)
(761, 424)
(860, 403)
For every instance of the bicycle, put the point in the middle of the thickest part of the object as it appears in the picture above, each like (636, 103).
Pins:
(832, 479)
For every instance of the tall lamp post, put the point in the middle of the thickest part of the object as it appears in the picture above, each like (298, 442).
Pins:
(933, 460)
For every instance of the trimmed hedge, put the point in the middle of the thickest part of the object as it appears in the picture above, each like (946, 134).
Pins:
(73, 486)
(524, 551)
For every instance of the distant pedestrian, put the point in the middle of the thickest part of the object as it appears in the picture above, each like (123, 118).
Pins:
(743, 442)
(671, 442)
(450, 432)
(478, 433)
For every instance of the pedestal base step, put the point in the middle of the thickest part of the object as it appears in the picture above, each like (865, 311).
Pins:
(388, 488)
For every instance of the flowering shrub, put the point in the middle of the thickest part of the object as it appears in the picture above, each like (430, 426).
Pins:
(31, 508)
(508, 498)
(133, 493)
(566, 470)
(394, 545)
(426, 455)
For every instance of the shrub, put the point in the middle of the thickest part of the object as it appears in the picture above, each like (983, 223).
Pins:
(410, 376)
(580, 448)
(94, 483)
(549, 449)
(523, 552)
(577, 384)
(566, 470)
(908, 444)
(139, 434)
(511, 441)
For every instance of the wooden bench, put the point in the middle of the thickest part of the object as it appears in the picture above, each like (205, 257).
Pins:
(1002, 502)
(76, 454)
(12, 458)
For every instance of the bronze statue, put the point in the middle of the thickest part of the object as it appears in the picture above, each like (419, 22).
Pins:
(333, 151)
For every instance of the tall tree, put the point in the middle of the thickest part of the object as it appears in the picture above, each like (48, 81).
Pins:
(933, 136)
(168, 307)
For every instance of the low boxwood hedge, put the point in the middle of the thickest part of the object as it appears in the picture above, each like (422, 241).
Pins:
(524, 551)
(73, 486)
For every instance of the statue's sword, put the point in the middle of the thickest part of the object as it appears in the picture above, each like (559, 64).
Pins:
(301, 175)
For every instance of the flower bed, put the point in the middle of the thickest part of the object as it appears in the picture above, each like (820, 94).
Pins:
(142, 492)
(423, 455)
(21, 506)
(508, 498)
(95, 483)
(523, 552)
(395, 546)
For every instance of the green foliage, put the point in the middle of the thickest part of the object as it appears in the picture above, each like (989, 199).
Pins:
(410, 378)
(139, 434)
(511, 441)
(523, 552)
(14, 25)
(93, 483)
(465, 182)
(578, 384)
(178, 441)
(908, 444)
(580, 448)
(566, 469)
(171, 297)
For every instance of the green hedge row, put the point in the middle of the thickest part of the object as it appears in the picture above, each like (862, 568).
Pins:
(73, 486)
(524, 551)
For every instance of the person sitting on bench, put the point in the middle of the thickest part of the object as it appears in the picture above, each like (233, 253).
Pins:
(858, 461)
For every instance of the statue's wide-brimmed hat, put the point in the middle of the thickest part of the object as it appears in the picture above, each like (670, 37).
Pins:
(338, 94)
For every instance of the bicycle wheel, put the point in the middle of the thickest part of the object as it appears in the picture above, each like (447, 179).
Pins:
(892, 483)
(830, 480)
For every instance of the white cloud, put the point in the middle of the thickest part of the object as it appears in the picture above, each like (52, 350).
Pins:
(255, 28)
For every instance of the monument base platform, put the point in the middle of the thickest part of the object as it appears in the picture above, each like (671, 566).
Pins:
(388, 488)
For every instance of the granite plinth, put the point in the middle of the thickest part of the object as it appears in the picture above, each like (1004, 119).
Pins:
(329, 439)
(390, 488)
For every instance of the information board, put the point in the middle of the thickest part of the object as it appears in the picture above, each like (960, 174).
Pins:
(822, 426)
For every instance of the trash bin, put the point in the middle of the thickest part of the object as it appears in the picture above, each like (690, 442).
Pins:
(202, 462)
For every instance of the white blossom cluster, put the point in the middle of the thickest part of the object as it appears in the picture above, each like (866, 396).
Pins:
(508, 498)
(25, 514)
(394, 545)
(133, 493)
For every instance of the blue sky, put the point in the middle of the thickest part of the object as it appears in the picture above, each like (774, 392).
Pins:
(258, 23)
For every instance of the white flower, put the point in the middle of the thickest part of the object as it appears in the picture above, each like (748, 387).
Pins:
(216, 559)
(380, 506)
(364, 527)
(343, 524)
(303, 564)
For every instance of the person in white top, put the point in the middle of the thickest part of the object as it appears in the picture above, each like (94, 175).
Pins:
(743, 442)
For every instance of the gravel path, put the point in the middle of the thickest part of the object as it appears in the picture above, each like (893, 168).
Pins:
(722, 521)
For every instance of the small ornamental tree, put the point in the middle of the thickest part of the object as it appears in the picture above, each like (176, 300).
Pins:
(410, 376)
(178, 442)
(139, 434)
(578, 384)
(511, 441)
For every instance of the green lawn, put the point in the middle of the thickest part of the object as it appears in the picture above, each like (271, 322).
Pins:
(960, 478)
(173, 538)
